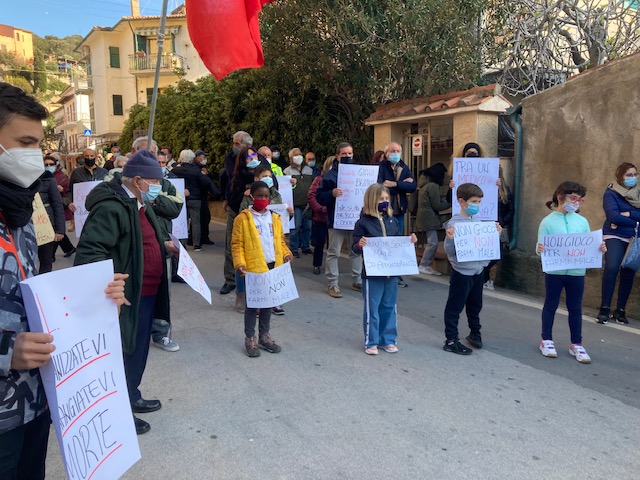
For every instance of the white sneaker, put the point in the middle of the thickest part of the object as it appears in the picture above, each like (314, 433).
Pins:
(548, 349)
(428, 271)
(579, 352)
(489, 285)
(167, 344)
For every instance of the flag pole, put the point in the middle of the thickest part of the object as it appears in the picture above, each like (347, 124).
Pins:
(156, 81)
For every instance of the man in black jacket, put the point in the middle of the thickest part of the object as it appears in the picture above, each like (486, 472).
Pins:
(326, 195)
(88, 172)
(198, 185)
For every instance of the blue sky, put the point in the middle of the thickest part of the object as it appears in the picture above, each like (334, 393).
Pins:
(66, 17)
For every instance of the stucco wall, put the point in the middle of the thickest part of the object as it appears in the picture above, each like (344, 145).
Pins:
(578, 131)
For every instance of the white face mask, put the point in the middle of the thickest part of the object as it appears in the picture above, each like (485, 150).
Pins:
(203, 162)
(21, 166)
(298, 159)
(268, 160)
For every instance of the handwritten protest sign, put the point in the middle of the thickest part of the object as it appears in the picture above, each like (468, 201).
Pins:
(41, 222)
(80, 192)
(476, 241)
(286, 192)
(571, 250)
(84, 381)
(275, 287)
(389, 256)
(281, 209)
(180, 225)
(484, 173)
(353, 180)
(188, 271)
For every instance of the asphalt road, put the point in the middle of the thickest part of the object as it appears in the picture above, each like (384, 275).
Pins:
(323, 409)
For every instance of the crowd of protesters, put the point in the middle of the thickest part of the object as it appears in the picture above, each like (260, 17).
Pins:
(130, 219)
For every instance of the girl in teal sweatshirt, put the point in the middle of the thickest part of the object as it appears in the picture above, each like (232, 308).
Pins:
(564, 219)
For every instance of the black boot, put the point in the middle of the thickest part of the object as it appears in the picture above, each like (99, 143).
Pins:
(603, 315)
(619, 317)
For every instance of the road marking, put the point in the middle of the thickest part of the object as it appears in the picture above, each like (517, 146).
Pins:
(513, 298)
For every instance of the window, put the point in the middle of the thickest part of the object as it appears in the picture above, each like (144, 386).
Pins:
(141, 44)
(18, 37)
(150, 94)
(117, 105)
(114, 57)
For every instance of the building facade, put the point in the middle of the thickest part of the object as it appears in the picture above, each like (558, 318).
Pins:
(120, 64)
(18, 41)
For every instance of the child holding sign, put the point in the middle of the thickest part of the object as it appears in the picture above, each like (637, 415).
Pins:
(467, 278)
(380, 293)
(564, 219)
(257, 245)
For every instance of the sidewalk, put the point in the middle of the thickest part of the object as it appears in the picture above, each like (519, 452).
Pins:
(322, 409)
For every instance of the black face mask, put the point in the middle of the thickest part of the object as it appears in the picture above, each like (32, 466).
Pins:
(346, 160)
(89, 162)
(472, 155)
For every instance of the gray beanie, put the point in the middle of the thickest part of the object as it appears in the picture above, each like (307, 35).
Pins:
(144, 164)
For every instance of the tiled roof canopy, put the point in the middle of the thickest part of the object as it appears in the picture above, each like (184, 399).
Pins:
(485, 98)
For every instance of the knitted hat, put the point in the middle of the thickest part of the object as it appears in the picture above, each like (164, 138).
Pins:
(469, 146)
(144, 164)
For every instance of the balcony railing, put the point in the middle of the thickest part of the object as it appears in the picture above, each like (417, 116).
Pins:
(147, 63)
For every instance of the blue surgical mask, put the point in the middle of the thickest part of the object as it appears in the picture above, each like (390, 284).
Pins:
(253, 163)
(50, 169)
(571, 207)
(236, 150)
(394, 157)
(312, 164)
(472, 209)
(268, 181)
(382, 206)
(164, 170)
(152, 194)
(276, 155)
(630, 182)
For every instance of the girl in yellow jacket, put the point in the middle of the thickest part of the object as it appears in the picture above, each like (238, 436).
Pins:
(257, 246)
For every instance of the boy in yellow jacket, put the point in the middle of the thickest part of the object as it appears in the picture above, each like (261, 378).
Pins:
(257, 246)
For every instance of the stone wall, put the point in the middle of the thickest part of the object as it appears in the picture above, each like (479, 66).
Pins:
(581, 131)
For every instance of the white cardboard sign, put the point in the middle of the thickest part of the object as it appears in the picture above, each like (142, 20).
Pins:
(571, 250)
(281, 209)
(188, 271)
(180, 225)
(80, 192)
(353, 180)
(476, 241)
(275, 287)
(390, 256)
(286, 192)
(84, 381)
(483, 172)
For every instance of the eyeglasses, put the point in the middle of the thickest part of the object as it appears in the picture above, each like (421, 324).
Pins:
(253, 155)
(574, 198)
(49, 164)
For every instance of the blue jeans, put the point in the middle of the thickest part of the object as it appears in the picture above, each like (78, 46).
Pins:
(465, 291)
(380, 323)
(301, 236)
(430, 249)
(400, 219)
(612, 261)
(574, 287)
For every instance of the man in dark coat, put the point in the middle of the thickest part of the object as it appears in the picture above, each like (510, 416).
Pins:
(123, 227)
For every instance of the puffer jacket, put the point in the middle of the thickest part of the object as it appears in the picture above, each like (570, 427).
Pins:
(319, 211)
(22, 395)
(246, 247)
(429, 205)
